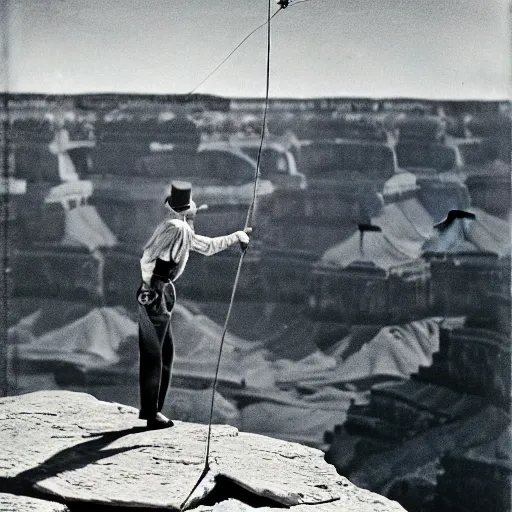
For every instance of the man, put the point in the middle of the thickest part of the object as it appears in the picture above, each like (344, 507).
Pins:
(163, 261)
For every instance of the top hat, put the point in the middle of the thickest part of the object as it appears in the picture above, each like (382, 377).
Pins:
(179, 199)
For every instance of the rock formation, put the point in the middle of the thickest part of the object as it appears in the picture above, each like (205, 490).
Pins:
(26, 504)
(75, 449)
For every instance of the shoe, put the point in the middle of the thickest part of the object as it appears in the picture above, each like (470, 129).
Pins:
(159, 421)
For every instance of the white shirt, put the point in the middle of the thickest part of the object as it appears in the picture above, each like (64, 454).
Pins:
(174, 239)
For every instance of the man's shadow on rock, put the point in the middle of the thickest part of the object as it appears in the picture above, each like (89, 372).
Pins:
(72, 458)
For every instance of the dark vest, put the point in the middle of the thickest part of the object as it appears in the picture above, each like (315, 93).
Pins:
(164, 270)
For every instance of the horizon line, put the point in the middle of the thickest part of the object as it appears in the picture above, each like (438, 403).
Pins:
(261, 98)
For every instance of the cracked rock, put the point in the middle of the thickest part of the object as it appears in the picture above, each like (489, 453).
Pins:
(71, 445)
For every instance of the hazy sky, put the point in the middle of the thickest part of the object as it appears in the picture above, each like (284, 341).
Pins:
(377, 48)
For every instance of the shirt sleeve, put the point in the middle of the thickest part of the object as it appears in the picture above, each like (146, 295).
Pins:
(146, 266)
(209, 246)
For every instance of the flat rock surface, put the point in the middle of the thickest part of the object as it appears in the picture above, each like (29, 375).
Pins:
(79, 448)
(360, 500)
(25, 504)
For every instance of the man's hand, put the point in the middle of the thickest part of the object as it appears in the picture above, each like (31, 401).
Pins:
(243, 238)
(146, 295)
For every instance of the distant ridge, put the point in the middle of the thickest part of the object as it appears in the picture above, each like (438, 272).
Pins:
(111, 100)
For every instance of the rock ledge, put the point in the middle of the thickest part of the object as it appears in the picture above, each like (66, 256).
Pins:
(76, 449)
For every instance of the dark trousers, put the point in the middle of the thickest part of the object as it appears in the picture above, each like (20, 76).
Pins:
(156, 348)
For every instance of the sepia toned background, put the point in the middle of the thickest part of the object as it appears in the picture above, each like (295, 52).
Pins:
(369, 321)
